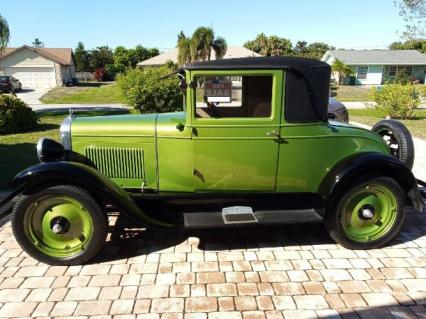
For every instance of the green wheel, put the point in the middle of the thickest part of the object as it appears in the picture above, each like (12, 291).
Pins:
(61, 225)
(368, 214)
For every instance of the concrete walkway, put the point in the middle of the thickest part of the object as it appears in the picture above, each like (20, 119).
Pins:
(358, 104)
(32, 96)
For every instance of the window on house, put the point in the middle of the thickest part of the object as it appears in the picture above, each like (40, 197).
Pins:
(408, 70)
(233, 96)
(362, 72)
(392, 70)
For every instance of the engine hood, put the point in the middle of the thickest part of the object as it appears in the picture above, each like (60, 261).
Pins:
(114, 125)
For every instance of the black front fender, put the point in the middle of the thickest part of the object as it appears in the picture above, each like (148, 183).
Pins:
(56, 173)
(371, 164)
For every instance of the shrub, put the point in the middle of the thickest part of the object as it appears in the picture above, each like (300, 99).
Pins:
(99, 74)
(397, 100)
(15, 115)
(143, 89)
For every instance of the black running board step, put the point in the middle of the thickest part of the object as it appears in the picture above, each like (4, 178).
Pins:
(215, 219)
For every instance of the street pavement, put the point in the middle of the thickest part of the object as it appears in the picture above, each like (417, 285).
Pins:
(32, 98)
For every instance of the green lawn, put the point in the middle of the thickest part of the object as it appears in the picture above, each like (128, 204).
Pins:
(85, 93)
(18, 151)
(417, 125)
(347, 93)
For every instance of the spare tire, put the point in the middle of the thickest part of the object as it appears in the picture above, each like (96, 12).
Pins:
(398, 138)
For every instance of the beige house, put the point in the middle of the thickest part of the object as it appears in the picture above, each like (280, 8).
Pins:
(38, 67)
(172, 55)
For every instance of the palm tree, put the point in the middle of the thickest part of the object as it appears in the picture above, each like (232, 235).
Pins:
(263, 42)
(184, 49)
(202, 39)
(200, 46)
(220, 47)
(4, 36)
(341, 69)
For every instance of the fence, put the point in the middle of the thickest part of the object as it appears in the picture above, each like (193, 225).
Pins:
(85, 76)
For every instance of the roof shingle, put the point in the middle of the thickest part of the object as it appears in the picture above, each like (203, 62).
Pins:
(172, 55)
(61, 55)
(378, 57)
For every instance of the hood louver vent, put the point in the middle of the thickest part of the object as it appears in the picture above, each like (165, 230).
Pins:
(118, 162)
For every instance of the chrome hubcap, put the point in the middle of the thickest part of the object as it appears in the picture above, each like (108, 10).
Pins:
(366, 212)
(60, 225)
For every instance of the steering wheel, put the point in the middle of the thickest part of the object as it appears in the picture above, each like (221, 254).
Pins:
(211, 106)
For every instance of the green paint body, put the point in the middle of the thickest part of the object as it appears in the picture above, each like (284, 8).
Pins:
(226, 154)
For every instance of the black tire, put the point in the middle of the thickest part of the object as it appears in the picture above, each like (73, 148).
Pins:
(334, 216)
(99, 224)
(397, 135)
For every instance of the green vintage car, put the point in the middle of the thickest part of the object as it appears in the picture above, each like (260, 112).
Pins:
(253, 146)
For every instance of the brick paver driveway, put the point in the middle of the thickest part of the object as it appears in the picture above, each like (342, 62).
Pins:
(290, 271)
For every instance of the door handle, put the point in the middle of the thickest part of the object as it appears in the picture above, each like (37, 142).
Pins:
(273, 133)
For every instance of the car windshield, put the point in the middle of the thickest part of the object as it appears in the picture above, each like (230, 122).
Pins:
(4, 79)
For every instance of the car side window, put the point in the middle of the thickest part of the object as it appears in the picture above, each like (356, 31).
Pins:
(233, 96)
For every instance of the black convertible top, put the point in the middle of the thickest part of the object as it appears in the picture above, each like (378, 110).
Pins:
(267, 62)
(307, 82)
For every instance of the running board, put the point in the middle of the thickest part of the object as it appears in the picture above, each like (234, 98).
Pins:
(241, 215)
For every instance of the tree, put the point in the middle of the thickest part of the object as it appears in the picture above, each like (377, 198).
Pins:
(414, 14)
(129, 58)
(412, 44)
(341, 69)
(316, 50)
(4, 34)
(269, 46)
(202, 39)
(37, 43)
(121, 59)
(220, 47)
(301, 48)
(100, 57)
(200, 45)
(279, 46)
(82, 58)
(184, 49)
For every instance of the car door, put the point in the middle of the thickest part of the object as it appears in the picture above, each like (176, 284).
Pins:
(235, 121)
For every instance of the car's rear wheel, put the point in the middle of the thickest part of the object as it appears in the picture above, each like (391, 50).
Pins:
(61, 225)
(398, 138)
(368, 214)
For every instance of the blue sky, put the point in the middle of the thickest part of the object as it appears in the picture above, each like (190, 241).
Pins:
(360, 24)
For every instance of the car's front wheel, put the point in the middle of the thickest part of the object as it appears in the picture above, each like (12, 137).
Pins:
(368, 214)
(61, 225)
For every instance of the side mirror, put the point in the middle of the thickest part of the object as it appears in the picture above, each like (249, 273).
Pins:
(333, 93)
(183, 85)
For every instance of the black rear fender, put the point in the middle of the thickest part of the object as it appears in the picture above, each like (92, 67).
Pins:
(72, 173)
(371, 164)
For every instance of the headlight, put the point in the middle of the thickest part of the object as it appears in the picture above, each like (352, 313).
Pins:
(66, 133)
(49, 150)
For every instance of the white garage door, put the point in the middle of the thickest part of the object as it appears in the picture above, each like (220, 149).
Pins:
(34, 77)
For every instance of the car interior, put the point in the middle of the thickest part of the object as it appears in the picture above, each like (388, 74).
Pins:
(235, 96)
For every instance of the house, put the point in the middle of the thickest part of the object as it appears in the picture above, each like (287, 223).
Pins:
(172, 55)
(376, 67)
(38, 67)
